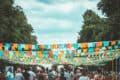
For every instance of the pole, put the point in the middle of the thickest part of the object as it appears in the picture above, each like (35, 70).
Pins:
(112, 69)
(116, 69)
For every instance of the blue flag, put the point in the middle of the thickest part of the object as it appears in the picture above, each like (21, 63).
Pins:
(106, 43)
(20, 47)
(47, 46)
(1, 53)
(76, 46)
(91, 44)
(7, 46)
(91, 50)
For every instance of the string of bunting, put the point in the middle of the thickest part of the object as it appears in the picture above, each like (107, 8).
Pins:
(78, 53)
(63, 57)
(35, 47)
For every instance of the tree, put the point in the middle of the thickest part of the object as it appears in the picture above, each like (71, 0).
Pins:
(14, 27)
(111, 10)
(94, 28)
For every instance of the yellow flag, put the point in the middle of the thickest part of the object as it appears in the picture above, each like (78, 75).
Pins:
(40, 54)
(113, 43)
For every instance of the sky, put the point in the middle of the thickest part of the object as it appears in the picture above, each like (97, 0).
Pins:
(56, 21)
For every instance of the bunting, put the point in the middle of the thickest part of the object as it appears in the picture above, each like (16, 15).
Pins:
(25, 47)
(71, 56)
(77, 53)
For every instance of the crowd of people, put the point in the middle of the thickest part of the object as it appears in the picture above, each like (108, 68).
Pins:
(40, 73)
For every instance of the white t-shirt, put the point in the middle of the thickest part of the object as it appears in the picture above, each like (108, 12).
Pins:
(54, 73)
(68, 75)
(19, 76)
(32, 75)
(84, 78)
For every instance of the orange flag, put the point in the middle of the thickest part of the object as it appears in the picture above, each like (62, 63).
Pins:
(28, 53)
(50, 54)
(1, 46)
(97, 49)
(30, 46)
(68, 46)
(98, 44)
(6, 53)
(41, 46)
(14, 46)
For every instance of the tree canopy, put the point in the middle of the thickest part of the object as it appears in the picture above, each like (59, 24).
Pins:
(94, 28)
(111, 9)
(101, 29)
(14, 27)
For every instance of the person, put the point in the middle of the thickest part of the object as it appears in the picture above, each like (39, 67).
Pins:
(84, 76)
(9, 74)
(62, 77)
(32, 74)
(40, 75)
(67, 75)
(54, 72)
(26, 74)
(50, 75)
(96, 77)
(77, 74)
(102, 77)
(119, 75)
(58, 75)
(19, 75)
(99, 75)
(2, 75)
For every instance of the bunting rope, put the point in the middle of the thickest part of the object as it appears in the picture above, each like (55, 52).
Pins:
(77, 53)
(35, 47)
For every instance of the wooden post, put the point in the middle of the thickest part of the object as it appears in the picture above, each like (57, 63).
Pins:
(112, 69)
(116, 69)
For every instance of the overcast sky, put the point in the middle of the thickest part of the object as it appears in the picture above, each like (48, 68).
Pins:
(56, 21)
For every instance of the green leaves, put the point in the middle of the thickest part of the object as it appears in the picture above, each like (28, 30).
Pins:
(112, 11)
(14, 27)
(101, 29)
(93, 28)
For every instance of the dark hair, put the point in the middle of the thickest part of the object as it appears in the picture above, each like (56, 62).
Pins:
(83, 72)
(26, 69)
(10, 69)
(62, 74)
(30, 68)
(99, 70)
